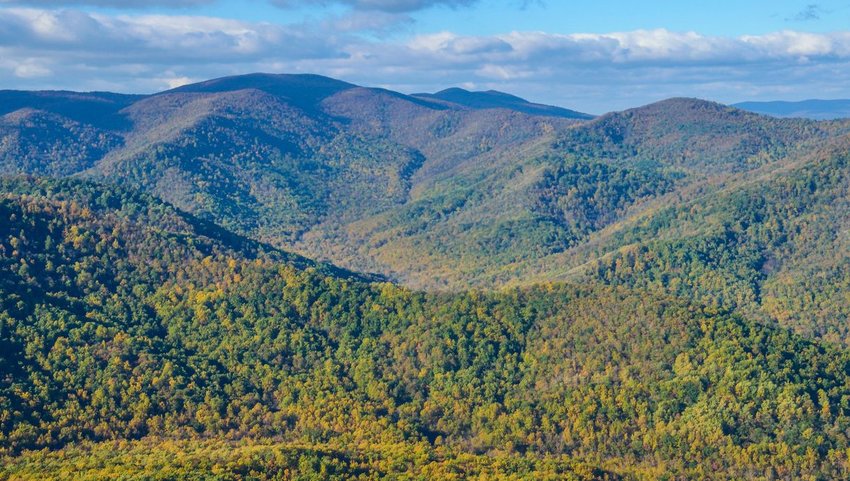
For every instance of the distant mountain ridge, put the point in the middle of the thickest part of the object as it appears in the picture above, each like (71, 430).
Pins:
(493, 99)
(810, 109)
(97, 108)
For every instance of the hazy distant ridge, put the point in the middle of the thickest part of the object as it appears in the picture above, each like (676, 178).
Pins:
(809, 109)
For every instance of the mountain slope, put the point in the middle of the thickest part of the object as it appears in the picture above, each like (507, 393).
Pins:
(120, 323)
(45, 143)
(483, 222)
(702, 138)
(295, 160)
(771, 243)
(427, 192)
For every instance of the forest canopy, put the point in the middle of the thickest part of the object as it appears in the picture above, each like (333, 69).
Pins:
(124, 319)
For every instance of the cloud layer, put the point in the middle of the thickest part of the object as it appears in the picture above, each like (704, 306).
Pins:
(72, 49)
(391, 6)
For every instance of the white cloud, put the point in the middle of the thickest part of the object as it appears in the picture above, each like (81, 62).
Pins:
(801, 45)
(660, 46)
(174, 82)
(30, 68)
(155, 38)
(592, 71)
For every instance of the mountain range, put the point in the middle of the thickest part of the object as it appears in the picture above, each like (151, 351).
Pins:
(446, 191)
(810, 109)
(465, 280)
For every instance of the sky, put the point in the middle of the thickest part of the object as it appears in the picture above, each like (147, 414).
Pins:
(594, 56)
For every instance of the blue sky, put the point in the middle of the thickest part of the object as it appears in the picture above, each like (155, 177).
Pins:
(593, 56)
(717, 17)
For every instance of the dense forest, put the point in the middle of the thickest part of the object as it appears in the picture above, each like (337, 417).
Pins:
(126, 320)
(294, 278)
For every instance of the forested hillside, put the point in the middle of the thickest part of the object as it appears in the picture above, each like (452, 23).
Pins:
(501, 290)
(293, 160)
(437, 191)
(772, 246)
(124, 319)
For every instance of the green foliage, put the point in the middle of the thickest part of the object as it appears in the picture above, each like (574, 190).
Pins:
(255, 164)
(429, 193)
(122, 319)
(587, 196)
(41, 143)
(705, 338)
(260, 461)
(776, 249)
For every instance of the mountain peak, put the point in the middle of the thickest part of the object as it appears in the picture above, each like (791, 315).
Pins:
(304, 90)
(680, 110)
(685, 103)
